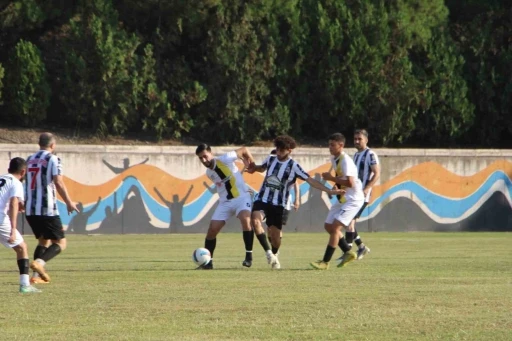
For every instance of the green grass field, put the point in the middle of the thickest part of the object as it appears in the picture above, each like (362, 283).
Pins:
(413, 286)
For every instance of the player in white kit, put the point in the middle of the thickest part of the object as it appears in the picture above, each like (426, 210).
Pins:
(11, 202)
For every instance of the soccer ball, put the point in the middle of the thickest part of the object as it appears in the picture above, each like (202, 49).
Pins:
(201, 256)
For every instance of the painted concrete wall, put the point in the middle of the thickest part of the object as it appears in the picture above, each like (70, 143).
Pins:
(151, 189)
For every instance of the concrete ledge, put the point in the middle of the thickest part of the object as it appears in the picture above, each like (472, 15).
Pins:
(125, 149)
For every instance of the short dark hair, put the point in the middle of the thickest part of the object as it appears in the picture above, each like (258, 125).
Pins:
(273, 152)
(285, 142)
(16, 165)
(46, 139)
(361, 131)
(338, 137)
(201, 147)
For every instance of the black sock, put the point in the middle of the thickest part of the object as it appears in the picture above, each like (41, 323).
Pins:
(329, 251)
(344, 245)
(39, 251)
(262, 238)
(210, 245)
(275, 250)
(349, 236)
(248, 241)
(51, 252)
(23, 266)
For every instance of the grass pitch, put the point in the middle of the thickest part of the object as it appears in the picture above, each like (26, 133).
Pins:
(413, 286)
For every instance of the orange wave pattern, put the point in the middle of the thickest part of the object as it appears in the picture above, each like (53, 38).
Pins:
(429, 175)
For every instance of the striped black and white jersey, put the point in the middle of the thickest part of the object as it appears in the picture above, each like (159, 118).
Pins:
(40, 191)
(364, 161)
(10, 187)
(279, 180)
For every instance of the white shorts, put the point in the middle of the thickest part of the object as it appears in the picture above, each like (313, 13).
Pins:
(233, 207)
(344, 213)
(5, 233)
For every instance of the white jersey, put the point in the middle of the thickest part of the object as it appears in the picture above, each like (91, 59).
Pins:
(345, 167)
(227, 177)
(364, 161)
(41, 195)
(10, 187)
(280, 178)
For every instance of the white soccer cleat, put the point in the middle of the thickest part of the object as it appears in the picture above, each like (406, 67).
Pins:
(276, 265)
(271, 258)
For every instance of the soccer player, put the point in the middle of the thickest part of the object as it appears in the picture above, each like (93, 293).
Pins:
(11, 202)
(281, 174)
(342, 212)
(234, 197)
(288, 208)
(368, 170)
(44, 176)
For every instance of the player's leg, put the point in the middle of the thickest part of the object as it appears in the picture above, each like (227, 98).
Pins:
(23, 266)
(36, 223)
(362, 249)
(333, 227)
(244, 214)
(257, 215)
(345, 218)
(51, 229)
(219, 218)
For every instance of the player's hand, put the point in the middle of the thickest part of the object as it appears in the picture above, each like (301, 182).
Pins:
(12, 237)
(21, 207)
(251, 168)
(296, 205)
(72, 208)
(327, 176)
(365, 191)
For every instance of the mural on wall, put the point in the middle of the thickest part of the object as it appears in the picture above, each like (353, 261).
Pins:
(145, 199)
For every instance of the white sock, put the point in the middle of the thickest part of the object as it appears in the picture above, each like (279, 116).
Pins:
(24, 280)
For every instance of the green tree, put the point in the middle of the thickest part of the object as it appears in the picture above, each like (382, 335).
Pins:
(27, 94)
(2, 74)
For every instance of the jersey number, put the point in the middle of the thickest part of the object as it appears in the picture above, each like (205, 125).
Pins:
(2, 182)
(33, 173)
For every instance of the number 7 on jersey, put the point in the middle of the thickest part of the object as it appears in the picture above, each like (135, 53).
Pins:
(33, 173)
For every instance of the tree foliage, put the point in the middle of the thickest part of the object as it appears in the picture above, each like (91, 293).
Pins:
(418, 73)
(28, 93)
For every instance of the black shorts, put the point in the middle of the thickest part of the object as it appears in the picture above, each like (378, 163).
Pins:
(48, 227)
(273, 214)
(361, 211)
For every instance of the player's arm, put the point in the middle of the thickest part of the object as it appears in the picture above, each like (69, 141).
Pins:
(63, 192)
(297, 196)
(375, 177)
(244, 154)
(13, 216)
(350, 181)
(318, 185)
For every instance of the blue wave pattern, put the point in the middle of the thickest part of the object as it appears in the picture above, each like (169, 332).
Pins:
(438, 205)
(441, 206)
(158, 210)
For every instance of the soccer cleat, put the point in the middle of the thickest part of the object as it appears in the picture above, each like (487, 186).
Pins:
(26, 289)
(361, 252)
(38, 280)
(348, 257)
(341, 258)
(207, 266)
(275, 264)
(247, 263)
(37, 267)
(271, 258)
(320, 265)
